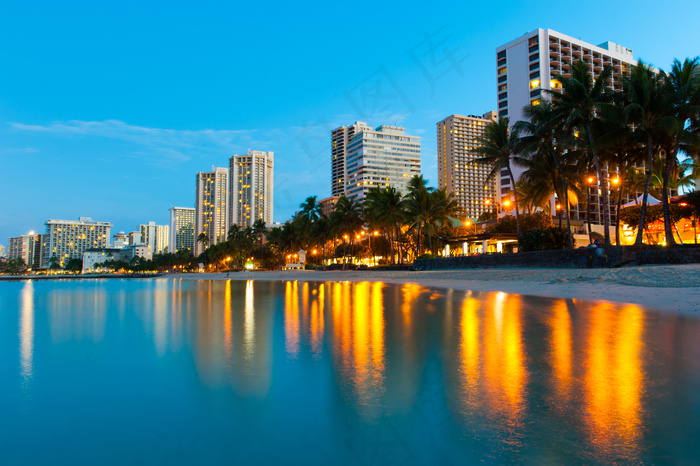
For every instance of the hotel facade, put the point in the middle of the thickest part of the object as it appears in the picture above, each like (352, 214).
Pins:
(251, 182)
(363, 158)
(211, 209)
(69, 239)
(527, 66)
(458, 174)
(156, 237)
(181, 229)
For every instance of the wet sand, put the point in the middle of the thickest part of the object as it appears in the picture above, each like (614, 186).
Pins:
(674, 288)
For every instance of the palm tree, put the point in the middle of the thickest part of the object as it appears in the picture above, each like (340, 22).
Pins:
(310, 209)
(385, 207)
(259, 229)
(542, 138)
(580, 102)
(322, 232)
(648, 104)
(347, 217)
(682, 86)
(497, 150)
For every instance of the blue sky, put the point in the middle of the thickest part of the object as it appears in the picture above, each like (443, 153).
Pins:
(109, 109)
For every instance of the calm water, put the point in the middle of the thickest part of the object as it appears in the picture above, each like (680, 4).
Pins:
(187, 372)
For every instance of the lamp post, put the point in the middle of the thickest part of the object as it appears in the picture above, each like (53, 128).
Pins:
(558, 212)
(615, 182)
(588, 209)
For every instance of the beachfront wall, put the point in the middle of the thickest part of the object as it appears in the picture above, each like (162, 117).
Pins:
(611, 256)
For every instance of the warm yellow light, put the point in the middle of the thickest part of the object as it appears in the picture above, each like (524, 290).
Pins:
(376, 233)
(487, 201)
(468, 223)
(506, 203)
(362, 233)
(534, 83)
(558, 206)
(615, 180)
(314, 251)
(684, 204)
(590, 179)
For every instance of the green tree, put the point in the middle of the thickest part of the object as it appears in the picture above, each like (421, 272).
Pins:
(496, 149)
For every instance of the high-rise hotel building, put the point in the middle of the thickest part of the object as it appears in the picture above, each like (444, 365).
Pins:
(181, 229)
(458, 174)
(364, 158)
(211, 209)
(68, 239)
(251, 179)
(28, 247)
(156, 237)
(528, 65)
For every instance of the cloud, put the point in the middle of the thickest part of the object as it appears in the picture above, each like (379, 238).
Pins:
(155, 145)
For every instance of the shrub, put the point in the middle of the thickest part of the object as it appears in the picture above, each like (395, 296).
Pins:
(428, 256)
(541, 239)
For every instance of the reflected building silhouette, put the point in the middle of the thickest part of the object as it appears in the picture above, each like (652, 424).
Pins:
(87, 316)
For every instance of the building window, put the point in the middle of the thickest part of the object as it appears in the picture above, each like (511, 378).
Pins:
(535, 93)
(533, 41)
(502, 87)
(534, 56)
(502, 70)
(503, 104)
(503, 113)
(502, 79)
(534, 48)
(534, 66)
(535, 75)
(502, 96)
(501, 54)
(502, 62)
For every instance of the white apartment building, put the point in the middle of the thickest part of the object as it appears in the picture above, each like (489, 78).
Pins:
(68, 239)
(340, 140)
(385, 156)
(251, 182)
(95, 256)
(120, 240)
(27, 247)
(182, 229)
(211, 209)
(458, 174)
(156, 237)
(528, 65)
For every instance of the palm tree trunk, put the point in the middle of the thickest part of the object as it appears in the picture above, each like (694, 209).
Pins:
(645, 196)
(566, 201)
(515, 201)
(617, 217)
(668, 168)
(603, 188)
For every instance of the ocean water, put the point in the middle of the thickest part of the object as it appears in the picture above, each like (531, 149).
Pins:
(171, 371)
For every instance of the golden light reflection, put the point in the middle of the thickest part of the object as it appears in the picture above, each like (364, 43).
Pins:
(317, 321)
(504, 360)
(358, 328)
(469, 352)
(291, 318)
(26, 330)
(614, 379)
(249, 321)
(561, 351)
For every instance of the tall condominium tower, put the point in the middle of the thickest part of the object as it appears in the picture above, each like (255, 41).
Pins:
(251, 179)
(156, 237)
(528, 65)
(458, 174)
(28, 247)
(385, 156)
(68, 239)
(211, 209)
(340, 140)
(181, 229)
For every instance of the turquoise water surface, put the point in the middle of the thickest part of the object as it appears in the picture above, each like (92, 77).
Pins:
(232, 372)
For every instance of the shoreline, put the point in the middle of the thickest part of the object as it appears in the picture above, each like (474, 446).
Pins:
(667, 288)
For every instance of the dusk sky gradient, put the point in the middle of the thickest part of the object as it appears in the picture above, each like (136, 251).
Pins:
(109, 109)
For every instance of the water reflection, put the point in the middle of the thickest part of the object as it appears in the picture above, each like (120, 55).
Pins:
(26, 330)
(502, 377)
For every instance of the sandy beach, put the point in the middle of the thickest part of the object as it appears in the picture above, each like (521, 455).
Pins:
(674, 288)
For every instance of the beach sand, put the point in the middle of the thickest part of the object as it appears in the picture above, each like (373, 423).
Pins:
(674, 288)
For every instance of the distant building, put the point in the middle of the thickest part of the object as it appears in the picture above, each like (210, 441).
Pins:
(68, 239)
(385, 156)
(211, 210)
(120, 240)
(2, 251)
(328, 205)
(458, 174)
(95, 256)
(134, 238)
(156, 237)
(251, 182)
(29, 248)
(182, 229)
